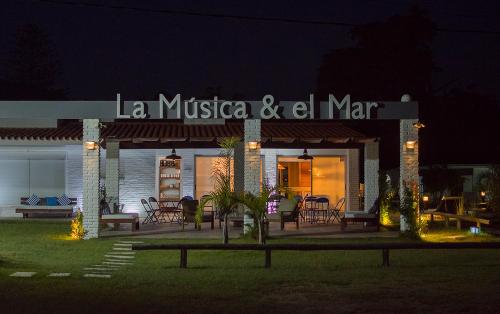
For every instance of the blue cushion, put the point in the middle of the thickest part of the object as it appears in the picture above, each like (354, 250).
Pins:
(33, 200)
(52, 201)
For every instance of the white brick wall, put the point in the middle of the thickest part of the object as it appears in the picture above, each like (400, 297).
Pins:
(91, 169)
(137, 178)
(408, 162)
(371, 174)
(251, 161)
(112, 172)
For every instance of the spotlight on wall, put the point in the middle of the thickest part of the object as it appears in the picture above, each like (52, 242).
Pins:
(425, 198)
(419, 125)
(90, 145)
(483, 193)
(410, 145)
(252, 145)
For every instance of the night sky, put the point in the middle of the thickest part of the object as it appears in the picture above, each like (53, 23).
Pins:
(105, 51)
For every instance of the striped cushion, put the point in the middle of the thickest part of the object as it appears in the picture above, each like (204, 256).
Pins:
(33, 200)
(64, 200)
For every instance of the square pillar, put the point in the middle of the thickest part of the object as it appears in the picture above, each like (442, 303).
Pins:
(239, 168)
(352, 189)
(408, 160)
(251, 161)
(91, 172)
(113, 172)
(371, 174)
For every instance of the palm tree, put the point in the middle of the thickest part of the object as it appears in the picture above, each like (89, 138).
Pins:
(257, 206)
(223, 197)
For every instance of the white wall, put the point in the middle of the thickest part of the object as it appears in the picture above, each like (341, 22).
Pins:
(30, 170)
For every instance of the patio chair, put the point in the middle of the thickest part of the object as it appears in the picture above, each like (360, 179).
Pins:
(308, 207)
(151, 214)
(320, 210)
(370, 217)
(208, 213)
(289, 212)
(335, 211)
(189, 211)
(171, 213)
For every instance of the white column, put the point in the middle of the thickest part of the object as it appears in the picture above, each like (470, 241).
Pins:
(239, 167)
(352, 190)
(113, 172)
(408, 159)
(91, 171)
(270, 167)
(371, 174)
(252, 161)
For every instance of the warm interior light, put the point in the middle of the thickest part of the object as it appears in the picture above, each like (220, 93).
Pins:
(90, 145)
(410, 144)
(483, 193)
(253, 145)
(425, 198)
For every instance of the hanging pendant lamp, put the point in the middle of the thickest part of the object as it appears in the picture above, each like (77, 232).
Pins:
(305, 156)
(173, 156)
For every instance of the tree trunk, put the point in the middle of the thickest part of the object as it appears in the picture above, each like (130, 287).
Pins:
(260, 231)
(225, 233)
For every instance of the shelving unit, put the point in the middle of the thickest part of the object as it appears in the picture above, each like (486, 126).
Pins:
(170, 180)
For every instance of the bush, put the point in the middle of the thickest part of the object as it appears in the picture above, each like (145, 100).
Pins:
(77, 231)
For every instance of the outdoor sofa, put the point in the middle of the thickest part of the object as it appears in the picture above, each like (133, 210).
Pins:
(46, 206)
(371, 217)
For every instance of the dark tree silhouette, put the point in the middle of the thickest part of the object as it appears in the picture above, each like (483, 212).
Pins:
(31, 70)
(389, 59)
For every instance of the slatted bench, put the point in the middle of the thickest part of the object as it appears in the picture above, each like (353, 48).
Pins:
(130, 218)
(447, 216)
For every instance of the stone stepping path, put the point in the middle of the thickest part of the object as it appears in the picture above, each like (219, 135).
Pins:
(121, 255)
(23, 274)
(97, 276)
(59, 275)
(122, 249)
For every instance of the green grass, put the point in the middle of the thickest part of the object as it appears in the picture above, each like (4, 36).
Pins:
(222, 281)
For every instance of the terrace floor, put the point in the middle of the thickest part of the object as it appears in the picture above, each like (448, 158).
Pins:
(174, 231)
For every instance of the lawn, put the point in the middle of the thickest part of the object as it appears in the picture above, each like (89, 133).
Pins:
(215, 282)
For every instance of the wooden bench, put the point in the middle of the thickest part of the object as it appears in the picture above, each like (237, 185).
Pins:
(132, 219)
(268, 248)
(459, 218)
(43, 209)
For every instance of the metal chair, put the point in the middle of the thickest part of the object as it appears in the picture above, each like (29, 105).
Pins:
(320, 210)
(151, 216)
(335, 211)
(308, 208)
(161, 211)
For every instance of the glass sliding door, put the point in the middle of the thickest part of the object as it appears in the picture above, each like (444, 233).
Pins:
(328, 177)
(294, 175)
(205, 167)
(322, 176)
